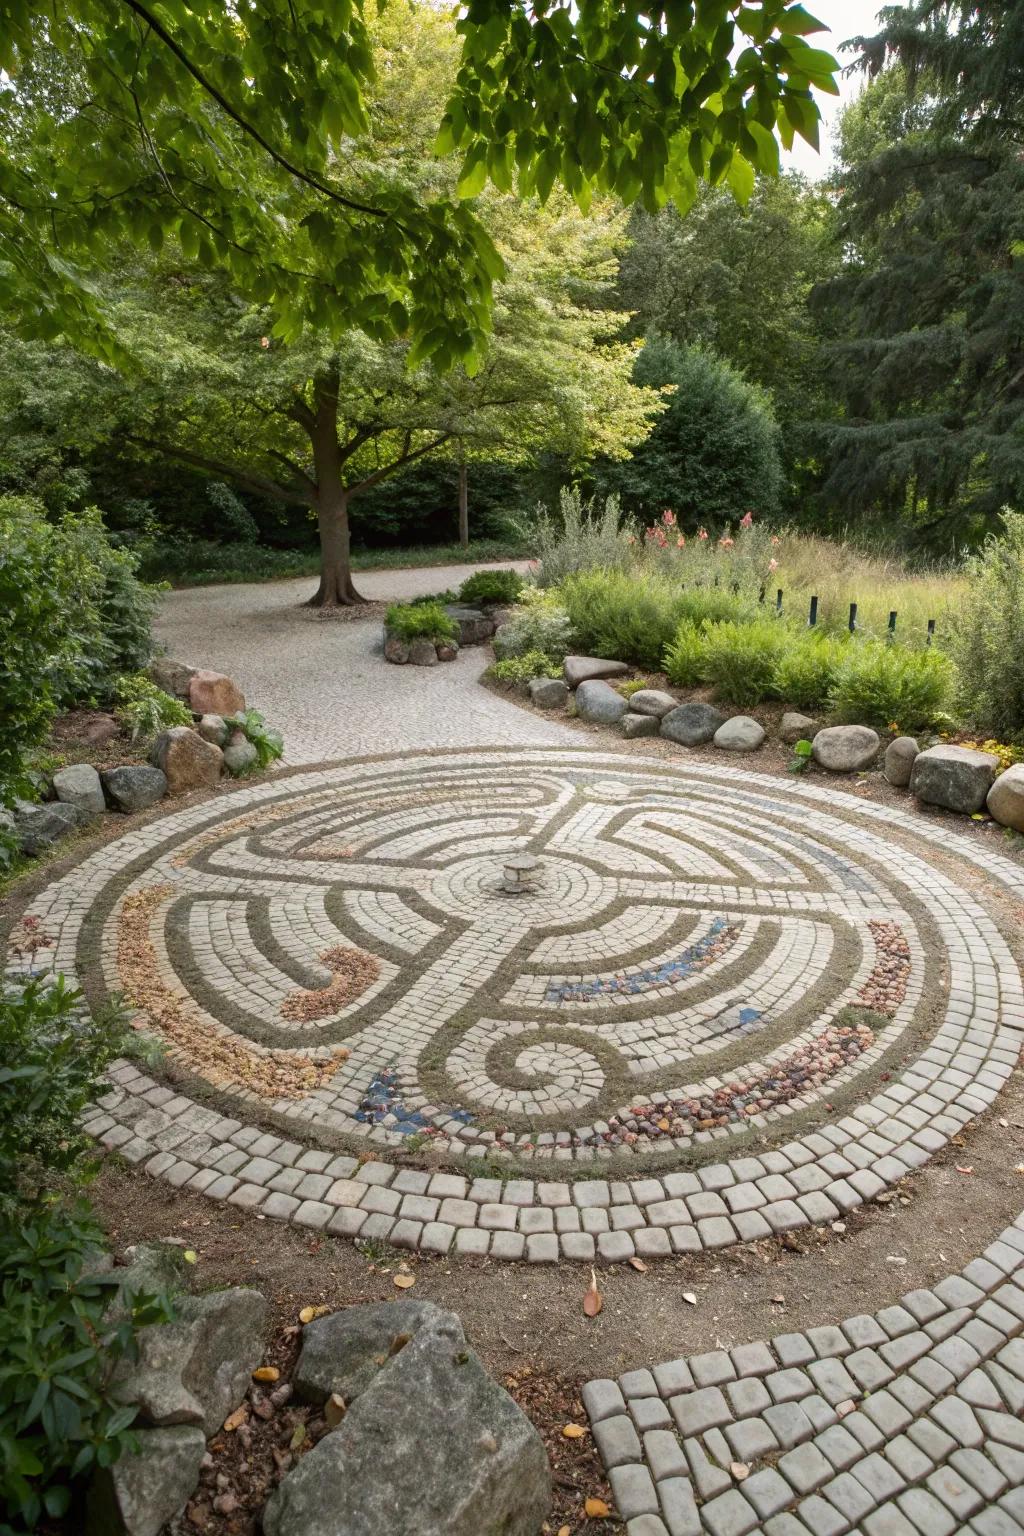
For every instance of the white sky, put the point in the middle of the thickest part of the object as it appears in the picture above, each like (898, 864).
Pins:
(845, 18)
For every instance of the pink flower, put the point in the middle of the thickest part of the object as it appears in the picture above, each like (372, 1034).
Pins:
(702, 533)
(726, 542)
(680, 542)
(773, 565)
(668, 518)
(776, 539)
(747, 520)
(632, 538)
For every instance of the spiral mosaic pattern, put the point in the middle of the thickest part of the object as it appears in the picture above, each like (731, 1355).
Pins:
(712, 962)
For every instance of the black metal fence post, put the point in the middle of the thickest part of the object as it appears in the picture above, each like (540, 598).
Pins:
(812, 617)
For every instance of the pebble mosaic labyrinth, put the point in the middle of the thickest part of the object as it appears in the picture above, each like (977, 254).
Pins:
(672, 1007)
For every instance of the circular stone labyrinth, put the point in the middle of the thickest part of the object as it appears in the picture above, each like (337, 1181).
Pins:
(728, 1004)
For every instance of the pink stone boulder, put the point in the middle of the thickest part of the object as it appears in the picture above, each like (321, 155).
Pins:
(211, 693)
(187, 761)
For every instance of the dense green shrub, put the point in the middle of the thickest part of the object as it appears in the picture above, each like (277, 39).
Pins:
(806, 669)
(52, 1060)
(880, 684)
(741, 659)
(72, 616)
(61, 1339)
(539, 624)
(622, 615)
(269, 743)
(581, 535)
(715, 605)
(144, 709)
(520, 669)
(713, 454)
(685, 655)
(413, 621)
(988, 635)
(491, 587)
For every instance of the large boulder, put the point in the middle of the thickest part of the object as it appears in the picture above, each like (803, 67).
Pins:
(584, 669)
(396, 649)
(475, 626)
(691, 725)
(100, 730)
(239, 754)
(172, 676)
(139, 1494)
(342, 1353)
(186, 760)
(1006, 798)
(846, 748)
(899, 760)
(134, 787)
(80, 785)
(548, 692)
(430, 1447)
(795, 727)
(742, 733)
(211, 693)
(196, 1369)
(38, 827)
(955, 778)
(651, 701)
(634, 726)
(596, 701)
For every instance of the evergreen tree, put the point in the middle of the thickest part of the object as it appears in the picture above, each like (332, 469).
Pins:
(926, 318)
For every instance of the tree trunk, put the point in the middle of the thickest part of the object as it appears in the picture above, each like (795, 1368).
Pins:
(463, 505)
(335, 589)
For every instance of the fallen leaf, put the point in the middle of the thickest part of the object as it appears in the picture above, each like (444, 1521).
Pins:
(739, 1470)
(638, 1264)
(233, 1420)
(593, 1301)
(573, 1431)
(689, 1296)
(266, 1373)
(963, 1170)
(404, 1281)
(298, 1437)
(334, 1410)
(190, 1256)
(596, 1509)
(563, 1530)
(307, 1314)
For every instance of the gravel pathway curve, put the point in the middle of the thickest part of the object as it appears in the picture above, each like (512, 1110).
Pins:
(323, 682)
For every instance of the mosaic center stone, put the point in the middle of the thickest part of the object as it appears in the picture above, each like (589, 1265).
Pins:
(703, 953)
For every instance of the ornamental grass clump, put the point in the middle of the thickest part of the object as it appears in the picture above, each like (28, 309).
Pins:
(415, 621)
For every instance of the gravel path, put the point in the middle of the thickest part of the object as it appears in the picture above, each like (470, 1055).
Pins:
(323, 681)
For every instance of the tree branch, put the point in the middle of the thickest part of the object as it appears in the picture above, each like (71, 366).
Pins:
(406, 458)
(259, 484)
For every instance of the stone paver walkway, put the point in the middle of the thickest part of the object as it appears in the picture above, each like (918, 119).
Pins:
(321, 681)
(906, 1423)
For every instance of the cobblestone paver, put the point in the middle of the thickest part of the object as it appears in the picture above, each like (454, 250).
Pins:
(907, 1423)
(324, 682)
(724, 927)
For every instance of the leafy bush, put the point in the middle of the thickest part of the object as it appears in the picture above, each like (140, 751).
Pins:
(144, 709)
(685, 655)
(715, 605)
(806, 669)
(413, 621)
(580, 536)
(72, 616)
(886, 685)
(741, 659)
(539, 624)
(268, 742)
(988, 634)
(52, 1060)
(622, 615)
(520, 669)
(61, 1338)
(491, 587)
